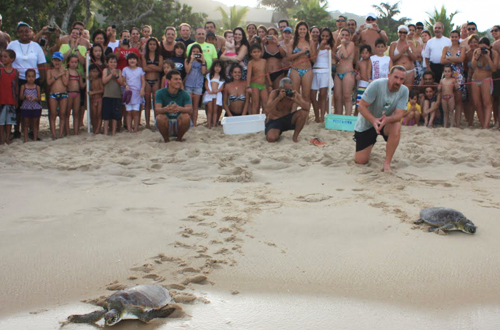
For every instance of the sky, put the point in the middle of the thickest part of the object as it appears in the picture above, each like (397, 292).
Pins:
(416, 10)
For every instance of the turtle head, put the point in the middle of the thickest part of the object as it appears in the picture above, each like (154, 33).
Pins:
(112, 317)
(466, 226)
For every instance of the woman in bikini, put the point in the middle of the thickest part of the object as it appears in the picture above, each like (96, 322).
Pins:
(235, 102)
(345, 77)
(403, 52)
(473, 42)
(152, 62)
(274, 54)
(455, 56)
(484, 62)
(300, 53)
(415, 38)
(168, 43)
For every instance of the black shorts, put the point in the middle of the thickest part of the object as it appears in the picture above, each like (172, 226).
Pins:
(111, 108)
(367, 138)
(282, 123)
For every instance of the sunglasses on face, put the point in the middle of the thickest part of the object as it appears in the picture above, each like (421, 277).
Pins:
(471, 29)
(352, 24)
(495, 30)
(370, 19)
(341, 20)
(403, 32)
(420, 27)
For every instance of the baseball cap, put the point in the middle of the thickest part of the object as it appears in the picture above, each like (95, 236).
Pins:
(372, 15)
(288, 29)
(21, 23)
(58, 55)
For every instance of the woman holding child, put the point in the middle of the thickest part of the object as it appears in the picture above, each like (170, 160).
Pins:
(241, 58)
(455, 56)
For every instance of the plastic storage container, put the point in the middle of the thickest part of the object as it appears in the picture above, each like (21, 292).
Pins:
(243, 124)
(340, 123)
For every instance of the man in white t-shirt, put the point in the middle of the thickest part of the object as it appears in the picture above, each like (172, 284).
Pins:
(382, 106)
(434, 50)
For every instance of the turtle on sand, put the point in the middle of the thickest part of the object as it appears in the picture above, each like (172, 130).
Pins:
(143, 302)
(445, 219)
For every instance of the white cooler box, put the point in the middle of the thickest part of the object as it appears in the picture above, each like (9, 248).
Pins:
(243, 124)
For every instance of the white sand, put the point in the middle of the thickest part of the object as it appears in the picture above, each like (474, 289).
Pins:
(307, 238)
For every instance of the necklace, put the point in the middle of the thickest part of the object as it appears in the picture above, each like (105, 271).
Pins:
(25, 54)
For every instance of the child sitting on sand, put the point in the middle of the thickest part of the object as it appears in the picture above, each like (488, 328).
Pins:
(412, 116)
(448, 86)
(429, 111)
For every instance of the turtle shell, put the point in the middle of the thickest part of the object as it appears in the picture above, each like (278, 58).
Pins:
(140, 297)
(438, 216)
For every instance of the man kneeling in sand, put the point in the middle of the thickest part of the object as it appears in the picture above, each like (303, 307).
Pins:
(380, 111)
(280, 117)
(173, 108)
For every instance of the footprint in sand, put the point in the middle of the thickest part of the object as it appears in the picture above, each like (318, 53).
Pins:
(313, 198)
(115, 286)
(146, 268)
(194, 218)
(155, 277)
(195, 279)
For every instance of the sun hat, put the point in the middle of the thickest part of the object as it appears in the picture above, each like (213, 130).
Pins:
(403, 27)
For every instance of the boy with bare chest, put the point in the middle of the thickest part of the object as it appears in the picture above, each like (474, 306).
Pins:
(257, 76)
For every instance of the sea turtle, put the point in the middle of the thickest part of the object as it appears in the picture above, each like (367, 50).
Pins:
(143, 302)
(445, 219)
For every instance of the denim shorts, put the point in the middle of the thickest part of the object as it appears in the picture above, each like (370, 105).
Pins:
(194, 90)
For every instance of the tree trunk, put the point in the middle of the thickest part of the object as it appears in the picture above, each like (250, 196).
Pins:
(67, 15)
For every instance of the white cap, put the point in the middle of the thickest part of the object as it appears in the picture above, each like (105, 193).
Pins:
(403, 27)
(372, 15)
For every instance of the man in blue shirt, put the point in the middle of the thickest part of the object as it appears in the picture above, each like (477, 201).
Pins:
(173, 108)
(380, 111)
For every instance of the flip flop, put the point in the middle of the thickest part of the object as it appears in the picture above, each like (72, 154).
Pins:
(317, 142)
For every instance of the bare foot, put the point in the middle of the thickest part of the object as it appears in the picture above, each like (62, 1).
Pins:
(295, 139)
(387, 168)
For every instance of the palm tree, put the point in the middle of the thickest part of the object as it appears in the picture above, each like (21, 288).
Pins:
(314, 12)
(441, 16)
(233, 19)
(386, 21)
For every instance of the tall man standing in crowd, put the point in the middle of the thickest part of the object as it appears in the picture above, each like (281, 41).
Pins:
(382, 106)
(210, 27)
(434, 50)
(209, 51)
(185, 32)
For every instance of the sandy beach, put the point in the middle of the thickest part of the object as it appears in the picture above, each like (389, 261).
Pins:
(252, 235)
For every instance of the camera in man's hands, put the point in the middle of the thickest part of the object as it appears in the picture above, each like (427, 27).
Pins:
(125, 42)
(51, 28)
(289, 92)
(42, 42)
(484, 50)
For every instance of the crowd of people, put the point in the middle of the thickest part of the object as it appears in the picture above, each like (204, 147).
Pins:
(279, 71)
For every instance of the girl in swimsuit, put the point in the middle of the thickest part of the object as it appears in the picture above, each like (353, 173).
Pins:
(299, 53)
(484, 60)
(235, 102)
(403, 52)
(57, 80)
(322, 75)
(213, 95)
(31, 109)
(447, 87)
(167, 66)
(345, 76)
(151, 60)
(96, 92)
(274, 54)
(75, 83)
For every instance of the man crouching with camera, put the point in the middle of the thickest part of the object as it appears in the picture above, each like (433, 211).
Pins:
(280, 117)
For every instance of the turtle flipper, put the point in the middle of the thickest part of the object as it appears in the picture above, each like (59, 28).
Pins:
(87, 318)
(418, 222)
(157, 313)
(445, 228)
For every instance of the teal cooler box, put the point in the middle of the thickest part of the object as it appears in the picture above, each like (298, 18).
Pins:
(340, 123)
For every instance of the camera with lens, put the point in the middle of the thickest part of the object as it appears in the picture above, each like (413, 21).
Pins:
(51, 28)
(308, 53)
(197, 55)
(125, 42)
(289, 92)
(484, 50)
(257, 38)
(269, 37)
(42, 42)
